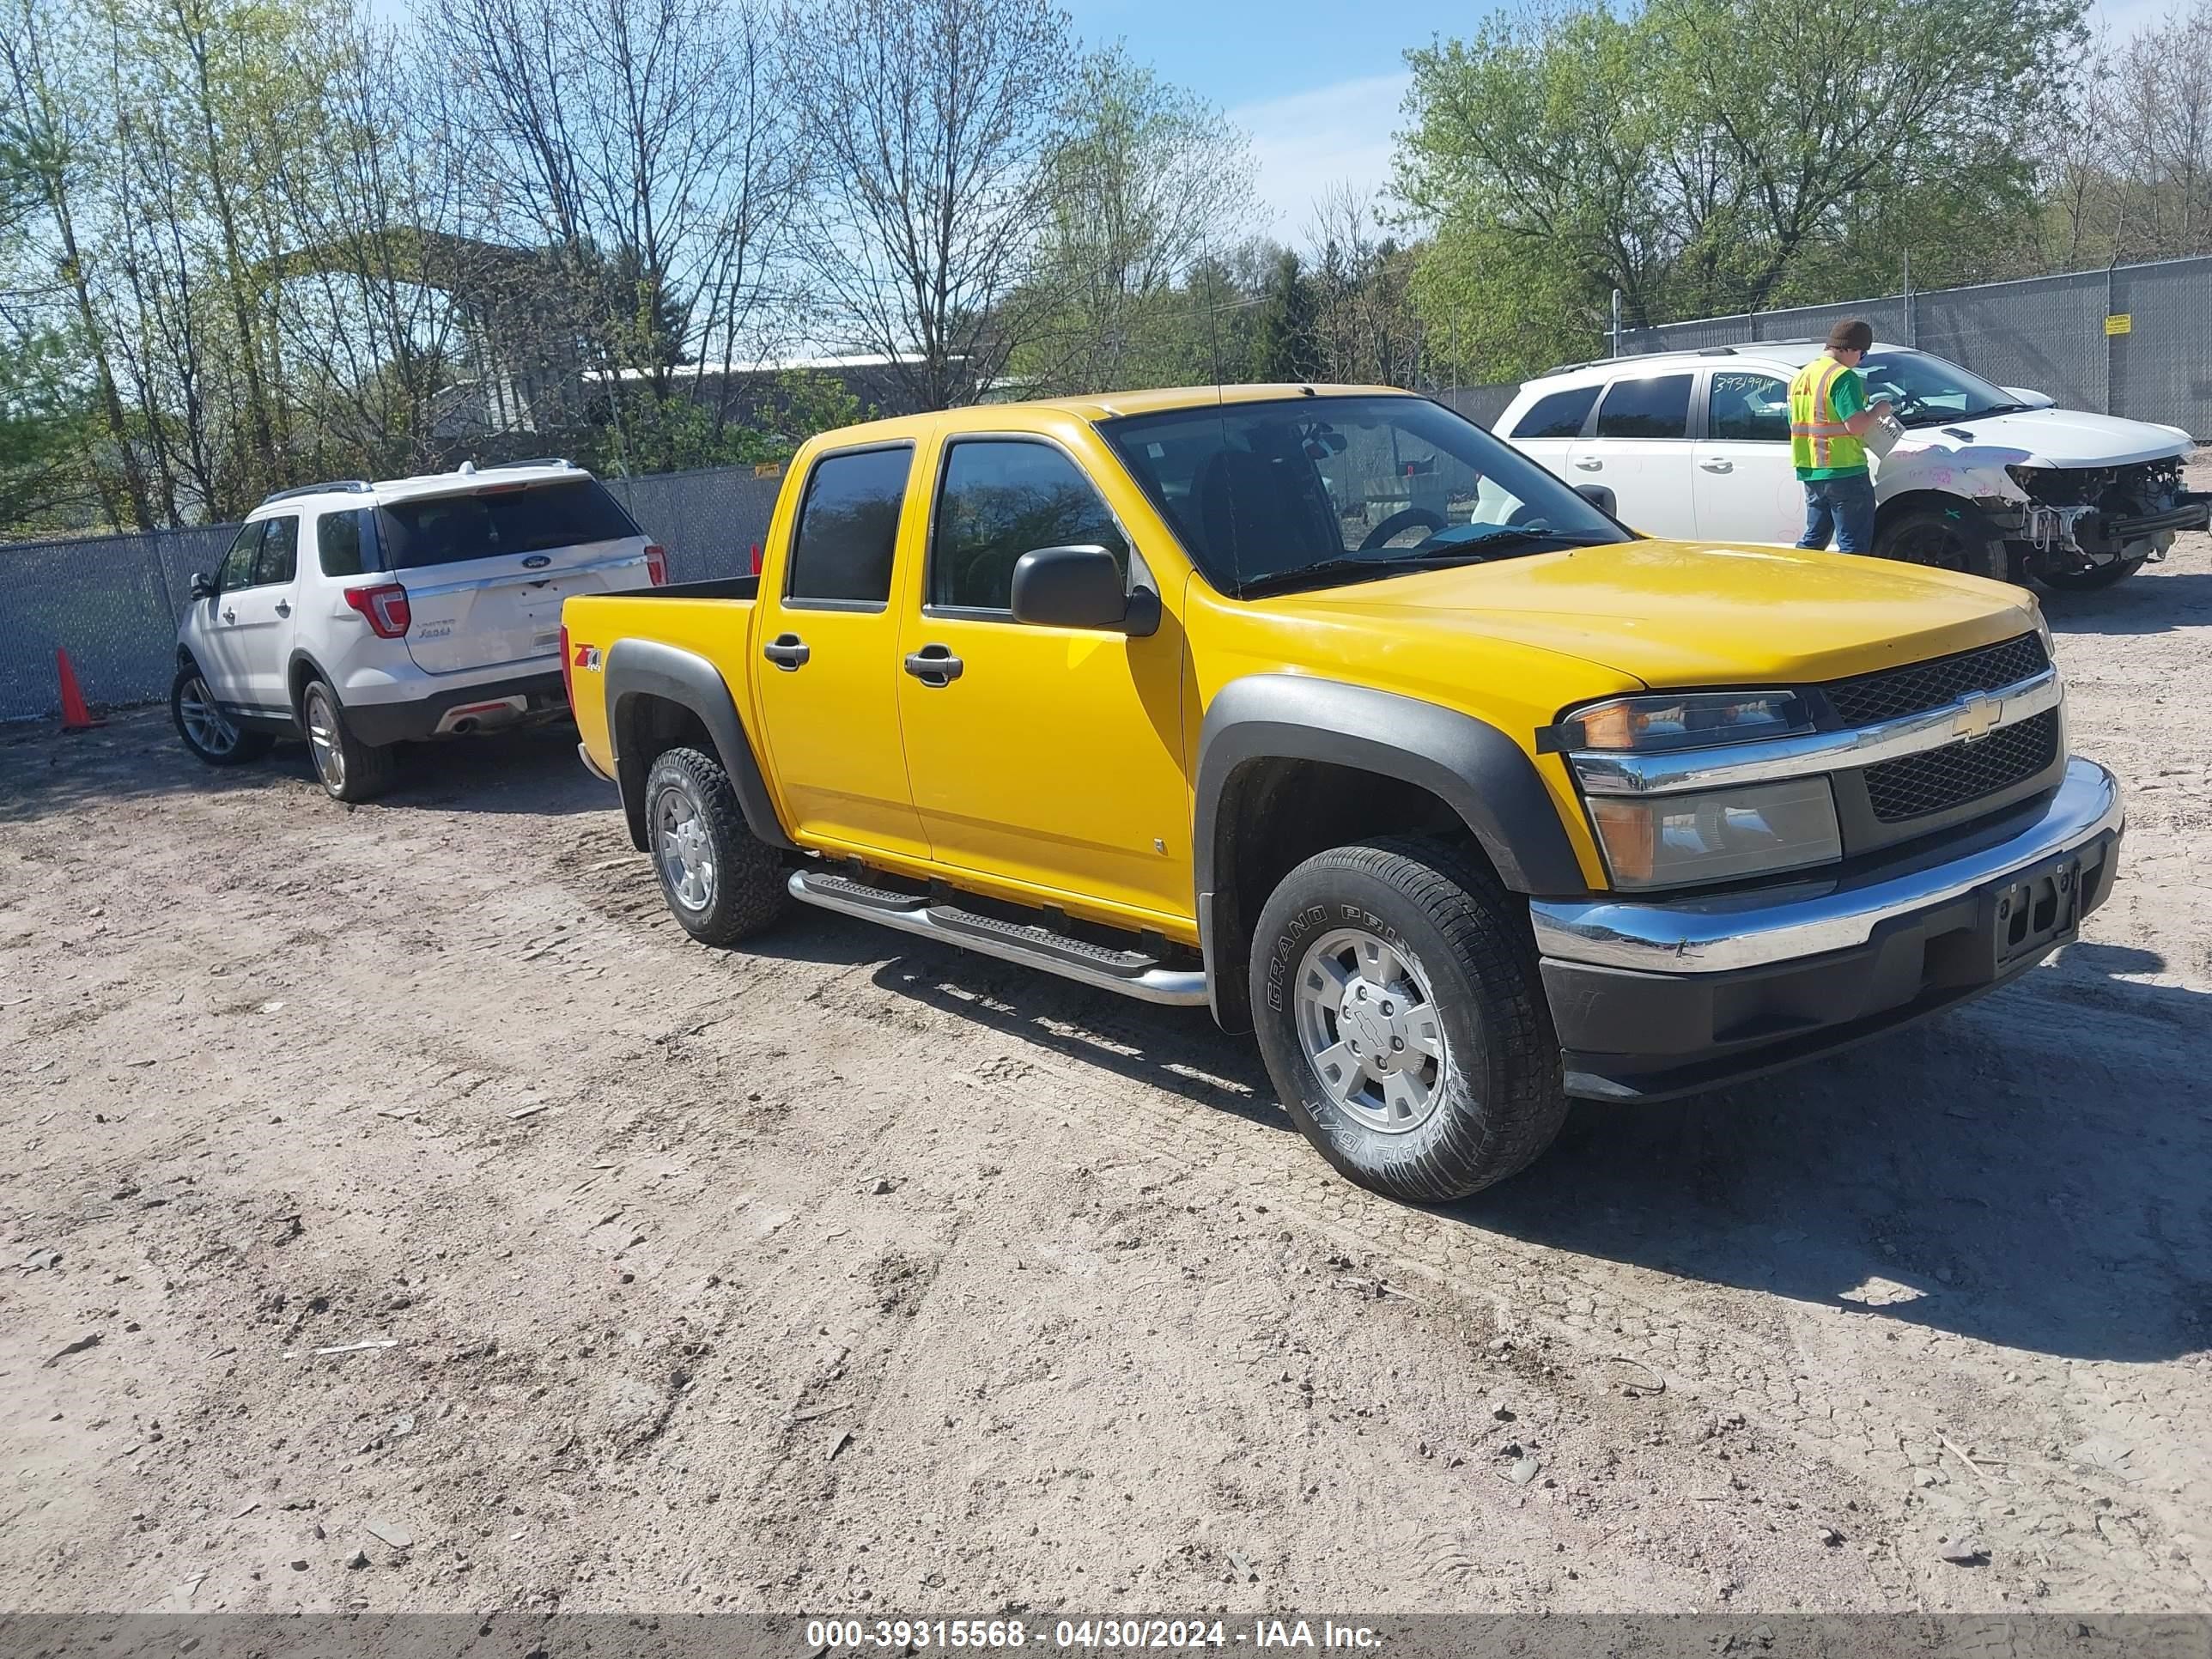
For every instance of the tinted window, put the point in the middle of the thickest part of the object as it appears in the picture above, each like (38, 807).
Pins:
(848, 526)
(1657, 408)
(999, 501)
(338, 543)
(1256, 492)
(1560, 414)
(501, 519)
(1747, 407)
(237, 568)
(280, 552)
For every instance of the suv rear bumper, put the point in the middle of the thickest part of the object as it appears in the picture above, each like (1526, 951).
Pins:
(1652, 1000)
(489, 703)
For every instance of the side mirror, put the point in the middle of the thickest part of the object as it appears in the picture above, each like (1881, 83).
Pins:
(1080, 588)
(1602, 497)
(202, 588)
(2033, 398)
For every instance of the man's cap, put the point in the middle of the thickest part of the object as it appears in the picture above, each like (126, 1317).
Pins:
(1852, 334)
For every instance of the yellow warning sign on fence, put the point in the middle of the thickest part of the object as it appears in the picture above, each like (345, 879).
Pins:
(774, 469)
(2121, 322)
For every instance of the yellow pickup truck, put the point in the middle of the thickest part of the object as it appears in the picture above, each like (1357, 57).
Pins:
(1324, 707)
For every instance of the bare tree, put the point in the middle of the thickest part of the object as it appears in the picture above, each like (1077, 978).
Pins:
(1146, 180)
(1365, 321)
(648, 143)
(930, 122)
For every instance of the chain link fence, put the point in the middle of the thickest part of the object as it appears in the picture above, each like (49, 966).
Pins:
(113, 602)
(2135, 341)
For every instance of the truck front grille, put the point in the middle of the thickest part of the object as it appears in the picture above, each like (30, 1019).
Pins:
(1894, 693)
(1937, 779)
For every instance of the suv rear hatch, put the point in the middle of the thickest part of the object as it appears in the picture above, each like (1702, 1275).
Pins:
(486, 568)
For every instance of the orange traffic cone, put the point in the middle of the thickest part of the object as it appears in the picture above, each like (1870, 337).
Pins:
(75, 717)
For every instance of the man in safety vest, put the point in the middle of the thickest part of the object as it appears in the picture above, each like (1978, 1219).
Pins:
(1828, 415)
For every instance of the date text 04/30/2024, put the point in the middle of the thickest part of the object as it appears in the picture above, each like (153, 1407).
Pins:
(900, 1635)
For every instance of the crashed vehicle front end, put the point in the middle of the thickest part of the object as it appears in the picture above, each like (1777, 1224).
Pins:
(2077, 519)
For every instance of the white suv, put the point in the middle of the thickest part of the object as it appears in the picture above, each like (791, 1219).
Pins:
(1992, 480)
(367, 615)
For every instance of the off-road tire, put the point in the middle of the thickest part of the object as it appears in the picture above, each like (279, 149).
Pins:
(247, 743)
(1501, 1101)
(2088, 581)
(349, 770)
(1974, 551)
(747, 893)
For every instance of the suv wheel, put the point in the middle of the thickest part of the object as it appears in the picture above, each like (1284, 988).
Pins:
(722, 882)
(206, 730)
(1401, 1019)
(351, 770)
(1944, 539)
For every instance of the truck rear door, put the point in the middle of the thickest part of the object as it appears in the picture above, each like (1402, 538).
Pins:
(486, 568)
(829, 637)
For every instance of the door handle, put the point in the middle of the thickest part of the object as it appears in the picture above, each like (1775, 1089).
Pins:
(1590, 466)
(1717, 466)
(787, 652)
(284, 607)
(935, 665)
(229, 615)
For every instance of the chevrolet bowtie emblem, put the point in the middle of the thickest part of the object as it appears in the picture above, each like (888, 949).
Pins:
(1978, 717)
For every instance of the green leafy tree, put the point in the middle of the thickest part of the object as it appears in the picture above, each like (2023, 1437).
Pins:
(1146, 180)
(1285, 345)
(1706, 156)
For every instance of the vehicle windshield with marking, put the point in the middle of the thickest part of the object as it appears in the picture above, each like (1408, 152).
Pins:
(1927, 391)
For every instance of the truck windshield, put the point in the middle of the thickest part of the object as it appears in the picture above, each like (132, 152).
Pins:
(1268, 496)
(501, 519)
(1927, 391)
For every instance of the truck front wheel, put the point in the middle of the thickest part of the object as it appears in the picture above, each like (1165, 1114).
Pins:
(720, 880)
(1402, 1020)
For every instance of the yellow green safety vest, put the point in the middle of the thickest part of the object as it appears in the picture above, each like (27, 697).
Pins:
(1818, 441)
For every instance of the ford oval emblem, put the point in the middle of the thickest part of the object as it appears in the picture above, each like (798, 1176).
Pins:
(536, 561)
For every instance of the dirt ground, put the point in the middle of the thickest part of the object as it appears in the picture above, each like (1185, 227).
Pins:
(849, 1275)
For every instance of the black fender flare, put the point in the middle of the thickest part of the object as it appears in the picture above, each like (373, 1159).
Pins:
(647, 668)
(1487, 778)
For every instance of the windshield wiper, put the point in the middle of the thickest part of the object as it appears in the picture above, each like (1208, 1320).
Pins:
(1474, 551)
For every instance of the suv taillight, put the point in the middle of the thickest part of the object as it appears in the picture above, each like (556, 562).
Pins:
(567, 673)
(756, 558)
(385, 608)
(656, 563)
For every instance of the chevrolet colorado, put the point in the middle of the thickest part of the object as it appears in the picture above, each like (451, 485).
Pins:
(1322, 707)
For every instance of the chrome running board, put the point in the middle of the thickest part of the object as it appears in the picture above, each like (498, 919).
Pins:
(1130, 973)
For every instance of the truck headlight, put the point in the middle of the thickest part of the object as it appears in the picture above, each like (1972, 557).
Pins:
(1717, 834)
(1686, 719)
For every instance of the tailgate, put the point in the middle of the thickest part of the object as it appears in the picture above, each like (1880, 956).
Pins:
(486, 566)
(485, 613)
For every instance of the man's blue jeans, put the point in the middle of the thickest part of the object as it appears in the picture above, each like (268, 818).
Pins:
(1843, 508)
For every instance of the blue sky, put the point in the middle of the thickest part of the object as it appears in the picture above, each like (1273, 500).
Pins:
(1317, 84)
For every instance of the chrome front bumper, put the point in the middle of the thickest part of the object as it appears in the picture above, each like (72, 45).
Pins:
(1723, 932)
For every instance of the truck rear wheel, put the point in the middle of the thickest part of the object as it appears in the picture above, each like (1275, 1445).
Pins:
(722, 882)
(1402, 1019)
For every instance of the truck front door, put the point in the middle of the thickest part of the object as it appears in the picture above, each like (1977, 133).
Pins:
(1049, 758)
(828, 688)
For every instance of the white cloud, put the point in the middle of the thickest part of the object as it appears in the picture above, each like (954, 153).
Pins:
(1309, 143)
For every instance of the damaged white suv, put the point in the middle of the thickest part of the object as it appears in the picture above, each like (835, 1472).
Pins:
(1994, 481)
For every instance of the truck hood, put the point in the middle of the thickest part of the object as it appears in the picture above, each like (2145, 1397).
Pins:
(2049, 437)
(1682, 614)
